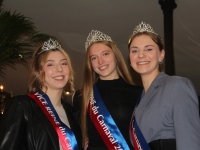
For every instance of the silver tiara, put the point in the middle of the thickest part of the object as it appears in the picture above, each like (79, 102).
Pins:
(49, 45)
(143, 27)
(95, 36)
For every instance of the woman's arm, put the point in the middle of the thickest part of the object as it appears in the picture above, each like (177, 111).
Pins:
(186, 115)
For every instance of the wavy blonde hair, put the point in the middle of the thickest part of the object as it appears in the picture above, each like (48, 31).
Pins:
(37, 75)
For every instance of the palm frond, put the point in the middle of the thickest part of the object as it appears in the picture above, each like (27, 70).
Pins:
(18, 38)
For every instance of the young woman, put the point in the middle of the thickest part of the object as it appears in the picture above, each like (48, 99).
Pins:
(42, 120)
(167, 115)
(108, 96)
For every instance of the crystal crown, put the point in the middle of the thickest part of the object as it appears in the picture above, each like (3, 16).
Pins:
(95, 36)
(50, 44)
(143, 27)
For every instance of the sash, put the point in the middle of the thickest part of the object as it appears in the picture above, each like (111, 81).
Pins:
(137, 137)
(104, 123)
(65, 134)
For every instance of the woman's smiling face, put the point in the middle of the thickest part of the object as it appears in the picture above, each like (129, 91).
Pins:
(145, 55)
(103, 61)
(56, 71)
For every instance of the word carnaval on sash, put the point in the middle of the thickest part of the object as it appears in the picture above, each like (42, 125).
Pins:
(100, 118)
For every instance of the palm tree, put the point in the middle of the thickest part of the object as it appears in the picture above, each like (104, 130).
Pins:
(18, 38)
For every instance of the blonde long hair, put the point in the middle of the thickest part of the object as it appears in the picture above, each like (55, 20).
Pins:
(90, 77)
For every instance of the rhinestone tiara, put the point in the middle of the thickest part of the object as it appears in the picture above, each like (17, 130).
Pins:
(143, 27)
(49, 45)
(95, 36)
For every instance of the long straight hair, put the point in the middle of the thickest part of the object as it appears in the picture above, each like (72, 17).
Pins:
(90, 77)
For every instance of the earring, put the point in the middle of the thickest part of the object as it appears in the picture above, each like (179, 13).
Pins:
(161, 62)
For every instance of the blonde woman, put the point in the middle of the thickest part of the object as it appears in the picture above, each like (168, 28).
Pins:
(108, 96)
(42, 120)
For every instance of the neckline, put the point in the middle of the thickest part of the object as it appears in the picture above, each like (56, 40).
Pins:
(108, 83)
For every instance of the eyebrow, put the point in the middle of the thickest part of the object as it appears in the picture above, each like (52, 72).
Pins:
(137, 47)
(133, 47)
(53, 60)
(149, 45)
(102, 52)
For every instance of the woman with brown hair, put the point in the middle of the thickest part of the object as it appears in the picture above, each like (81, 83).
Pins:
(167, 115)
(108, 96)
(42, 120)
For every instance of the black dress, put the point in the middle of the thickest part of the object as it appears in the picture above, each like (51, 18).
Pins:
(120, 99)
